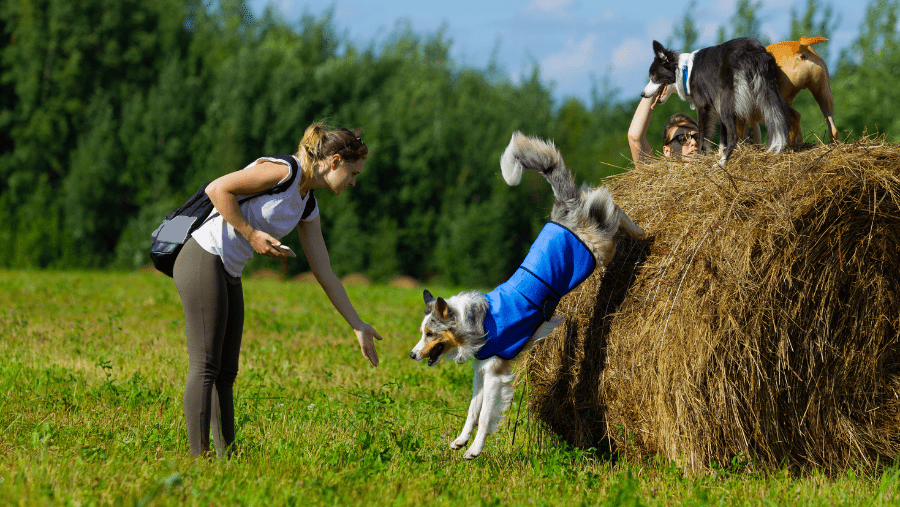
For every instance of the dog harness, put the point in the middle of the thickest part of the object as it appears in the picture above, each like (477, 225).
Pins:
(556, 263)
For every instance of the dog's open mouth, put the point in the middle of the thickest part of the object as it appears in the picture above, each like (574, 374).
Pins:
(435, 354)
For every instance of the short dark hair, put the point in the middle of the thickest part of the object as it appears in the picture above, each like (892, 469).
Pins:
(678, 120)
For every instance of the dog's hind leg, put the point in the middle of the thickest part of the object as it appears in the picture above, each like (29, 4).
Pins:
(498, 391)
(706, 121)
(474, 406)
(732, 107)
(822, 93)
(728, 137)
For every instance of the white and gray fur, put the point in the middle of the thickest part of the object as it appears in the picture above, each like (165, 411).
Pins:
(454, 327)
(735, 80)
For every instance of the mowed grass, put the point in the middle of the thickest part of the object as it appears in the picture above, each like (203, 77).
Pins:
(92, 368)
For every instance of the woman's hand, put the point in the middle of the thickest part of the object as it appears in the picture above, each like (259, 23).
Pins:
(364, 335)
(265, 244)
(662, 95)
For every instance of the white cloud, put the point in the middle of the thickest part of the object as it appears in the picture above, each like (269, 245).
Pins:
(558, 9)
(709, 33)
(631, 56)
(659, 28)
(577, 59)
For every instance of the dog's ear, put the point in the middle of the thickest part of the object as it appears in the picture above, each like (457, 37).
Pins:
(660, 51)
(443, 310)
(429, 301)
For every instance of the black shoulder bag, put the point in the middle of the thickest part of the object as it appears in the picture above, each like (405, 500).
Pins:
(177, 227)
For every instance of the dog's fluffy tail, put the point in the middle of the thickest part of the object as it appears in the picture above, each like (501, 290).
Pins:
(777, 114)
(532, 154)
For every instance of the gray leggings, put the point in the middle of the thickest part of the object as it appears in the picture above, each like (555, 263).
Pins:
(213, 304)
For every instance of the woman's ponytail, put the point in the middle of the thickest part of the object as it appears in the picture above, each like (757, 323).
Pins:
(318, 143)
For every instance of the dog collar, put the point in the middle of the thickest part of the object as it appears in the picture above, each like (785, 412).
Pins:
(686, 63)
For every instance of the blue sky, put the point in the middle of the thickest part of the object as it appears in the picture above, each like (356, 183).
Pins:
(575, 42)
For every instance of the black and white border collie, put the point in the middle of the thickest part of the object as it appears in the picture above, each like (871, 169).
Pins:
(735, 82)
(495, 328)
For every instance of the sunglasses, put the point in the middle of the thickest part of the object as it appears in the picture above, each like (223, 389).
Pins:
(347, 144)
(683, 139)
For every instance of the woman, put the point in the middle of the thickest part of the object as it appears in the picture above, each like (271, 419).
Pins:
(208, 269)
(681, 135)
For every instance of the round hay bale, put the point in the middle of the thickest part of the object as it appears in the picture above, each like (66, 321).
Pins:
(150, 268)
(405, 282)
(355, 279)
(266, 274)
(759, 321)
(305, 277)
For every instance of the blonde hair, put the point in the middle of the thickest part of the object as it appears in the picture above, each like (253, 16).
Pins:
(318, 143)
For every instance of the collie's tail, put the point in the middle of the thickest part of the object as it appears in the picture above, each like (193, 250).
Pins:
(589, 212)
(532, 154)
(777, 114)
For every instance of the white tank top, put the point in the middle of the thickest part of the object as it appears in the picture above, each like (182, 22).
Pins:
(275, 214)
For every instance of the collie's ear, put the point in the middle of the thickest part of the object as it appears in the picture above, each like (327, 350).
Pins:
(443, 310)
(429, 302)
(659, 50)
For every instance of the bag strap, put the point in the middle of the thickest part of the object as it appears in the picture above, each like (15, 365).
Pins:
(295, 168)
(278, 188)
(310, 206)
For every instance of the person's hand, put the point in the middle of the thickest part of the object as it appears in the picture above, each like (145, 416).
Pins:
(265, 244)
(662, 94)
(366, 345)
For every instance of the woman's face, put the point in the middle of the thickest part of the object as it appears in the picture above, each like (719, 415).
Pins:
(342, 174)
(683, 142)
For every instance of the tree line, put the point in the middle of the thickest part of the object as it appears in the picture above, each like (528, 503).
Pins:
(113, 112)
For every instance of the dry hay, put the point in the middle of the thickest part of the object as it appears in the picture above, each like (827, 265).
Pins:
(305, 277)
(150, 268)
(356, 279)
(759, 321)
(404, 282)
(266, 274)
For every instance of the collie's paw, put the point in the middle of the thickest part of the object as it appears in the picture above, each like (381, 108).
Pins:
(458, 444)
(471, 454)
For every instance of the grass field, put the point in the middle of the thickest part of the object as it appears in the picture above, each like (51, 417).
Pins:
(93, 368)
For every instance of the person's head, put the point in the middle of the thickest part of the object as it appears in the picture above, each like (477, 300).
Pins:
(681, 136)
(337, 156)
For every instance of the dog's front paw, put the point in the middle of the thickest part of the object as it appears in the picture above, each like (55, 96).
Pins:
(458, 444)
(471, 454)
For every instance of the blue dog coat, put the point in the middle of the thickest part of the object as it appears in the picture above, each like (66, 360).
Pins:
(556, 263)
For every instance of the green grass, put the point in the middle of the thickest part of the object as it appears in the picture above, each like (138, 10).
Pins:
(92, 367)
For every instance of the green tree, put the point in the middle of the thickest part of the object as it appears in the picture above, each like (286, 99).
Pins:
(816, 21)
(71, 64)
(744, 22)
(862, 84)
(686, 32)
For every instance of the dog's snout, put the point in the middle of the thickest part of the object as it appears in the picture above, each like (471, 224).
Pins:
(412, 355)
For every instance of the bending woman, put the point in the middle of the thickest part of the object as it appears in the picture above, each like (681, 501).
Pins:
(208, 269)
